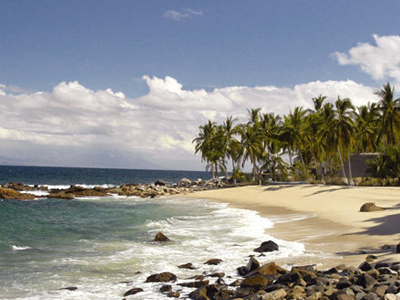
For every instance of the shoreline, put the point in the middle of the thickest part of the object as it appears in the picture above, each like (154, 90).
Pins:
(326, 219)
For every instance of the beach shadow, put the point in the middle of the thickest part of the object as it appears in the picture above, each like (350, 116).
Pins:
(276, 186)
(387, 225)
(329, 189)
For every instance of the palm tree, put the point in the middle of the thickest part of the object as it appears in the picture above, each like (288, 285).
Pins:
(251, 140)
(314, 139)
(231, 143)
(390, 115)
(209, 144)
(366, 127)
(293, 131)
(344, 128)
(318, 102)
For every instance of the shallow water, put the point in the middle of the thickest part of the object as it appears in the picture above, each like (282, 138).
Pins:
(103, 246)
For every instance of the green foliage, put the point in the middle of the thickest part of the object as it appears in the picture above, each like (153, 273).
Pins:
(316, 141)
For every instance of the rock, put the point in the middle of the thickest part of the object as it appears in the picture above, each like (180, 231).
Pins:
(173, 294)
(365, 266)
(370, 258)
(7, 193)
(251, 266)
(70, 288)
(365, 280)
(267, 246)
(160, 237)
(160, 183)
(214, 261)
(188, 266)
(389, 297)
(256, 281)
(194, 284)
(133, 291)
(369, 207)
(166, 288)
(386, 247)
(398, 248)
(275, 295)
(162, 277)
(269, 269)
(185, 182)
(218, 274)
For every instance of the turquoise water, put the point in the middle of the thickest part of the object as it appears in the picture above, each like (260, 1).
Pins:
(103, 246)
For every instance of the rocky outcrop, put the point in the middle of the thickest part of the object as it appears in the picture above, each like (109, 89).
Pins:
(7, 193)
(369, 207)
(160, 237)
(267, 246)
(159, 188)
(162, 277)
(133, 291)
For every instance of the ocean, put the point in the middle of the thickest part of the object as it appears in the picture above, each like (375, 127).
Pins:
(103, 246)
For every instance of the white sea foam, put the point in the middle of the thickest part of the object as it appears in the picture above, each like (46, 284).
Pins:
(203, 230)
(20, 248)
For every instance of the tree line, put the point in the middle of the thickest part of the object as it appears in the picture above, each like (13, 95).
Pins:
(307, 144)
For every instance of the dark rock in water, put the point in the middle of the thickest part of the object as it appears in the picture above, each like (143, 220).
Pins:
(166, 288)
(162, 277)
(133, 291)
(188, 266)
(267, 246)
(194, 284)
(160, 237)
(219, 274)
(173, 295)
(7, 193)
(160, 183)
(386, 247)
(251, 266)
(398, 248)
(369, 207)
(69, 288)
(214, 261)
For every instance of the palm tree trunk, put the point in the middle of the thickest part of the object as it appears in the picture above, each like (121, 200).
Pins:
(341, 163)
(350, 173)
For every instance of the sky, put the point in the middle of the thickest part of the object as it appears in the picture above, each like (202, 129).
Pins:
(126, 84)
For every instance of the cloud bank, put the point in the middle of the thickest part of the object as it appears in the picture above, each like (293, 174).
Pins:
(75, 126)
(380, 61)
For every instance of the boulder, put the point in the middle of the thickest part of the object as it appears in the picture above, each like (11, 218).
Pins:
(398, 248)
(6, 193)
(133, 291)
(214, 261)
(185, 182)
(369, 207)
(160, 183)
(188, 266)
(160, 237)
(162, 277)
(267, 246)
(195, 284)
(251, 266)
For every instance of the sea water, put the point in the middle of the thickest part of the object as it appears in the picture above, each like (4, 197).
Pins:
(104, 246)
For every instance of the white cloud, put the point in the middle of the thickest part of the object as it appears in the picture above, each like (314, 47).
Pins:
(80, 124)
(381, 61)
(184, 14)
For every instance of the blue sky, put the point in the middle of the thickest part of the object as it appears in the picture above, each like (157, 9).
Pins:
(127, 83)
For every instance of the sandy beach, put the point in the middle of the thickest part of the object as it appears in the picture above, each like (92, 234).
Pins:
(325, 218)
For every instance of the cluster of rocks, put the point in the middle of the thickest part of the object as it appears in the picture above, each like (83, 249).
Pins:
(370, 281)
(20, 191)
